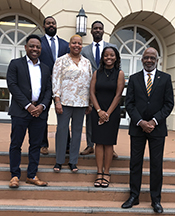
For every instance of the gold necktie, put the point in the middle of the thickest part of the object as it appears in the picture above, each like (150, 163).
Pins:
(149, 84)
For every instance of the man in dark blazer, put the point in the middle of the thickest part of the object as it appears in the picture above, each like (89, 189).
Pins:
(29, 82)
(61, 48)
(149, 101)
(97, 31)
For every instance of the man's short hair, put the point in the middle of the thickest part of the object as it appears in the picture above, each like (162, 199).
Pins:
(33, 36)
(44, 21)
(97, 22)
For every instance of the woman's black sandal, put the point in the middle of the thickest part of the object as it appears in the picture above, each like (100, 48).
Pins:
(57, 167)
(96, 182)
(73, 167)
(105, 182)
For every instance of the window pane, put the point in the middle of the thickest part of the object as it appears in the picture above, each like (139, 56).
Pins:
(12, 35)
(38, 32)
(138, 46)
(126, 33)
(7, 23)
(4, 99)
(130, 45)
(139, 65)
(25, 24)
(3, 71)
(5, 57)
(143, 35)
(122, 107)
(21, 53)
(4, 106)
(114, 40)
(20, 36)
(155, 45)
(124, 51)
(6, 41)
(4, 93)
(125, 66)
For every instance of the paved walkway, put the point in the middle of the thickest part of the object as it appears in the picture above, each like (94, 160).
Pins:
(122, 148)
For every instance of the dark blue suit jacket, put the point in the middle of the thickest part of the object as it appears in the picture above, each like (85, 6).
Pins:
(19, 85)
(46, 53)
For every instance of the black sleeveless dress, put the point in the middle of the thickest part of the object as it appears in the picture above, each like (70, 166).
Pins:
(106, 85)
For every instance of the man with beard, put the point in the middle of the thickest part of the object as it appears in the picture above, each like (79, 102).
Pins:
(91, 52)
(48, 56)
(149, 101)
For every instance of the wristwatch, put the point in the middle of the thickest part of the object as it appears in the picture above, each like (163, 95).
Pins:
(98, 110)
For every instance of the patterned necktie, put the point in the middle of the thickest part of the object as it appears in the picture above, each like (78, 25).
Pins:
(149, 84)
(53, 48)
(97, 54)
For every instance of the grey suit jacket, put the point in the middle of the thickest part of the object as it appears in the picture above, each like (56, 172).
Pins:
(87, 53)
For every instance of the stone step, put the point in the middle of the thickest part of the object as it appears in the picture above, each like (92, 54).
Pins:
(73, 208)
(85, 174)
(87, 160)
(80, 191)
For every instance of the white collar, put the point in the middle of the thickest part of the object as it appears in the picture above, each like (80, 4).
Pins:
(100, 43)
(153, 72)
(49, 37)
(29, 60)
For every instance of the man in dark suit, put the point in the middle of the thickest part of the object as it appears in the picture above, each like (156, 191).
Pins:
(149, 101)
(29, 82)
(48, 58)
(89, 52)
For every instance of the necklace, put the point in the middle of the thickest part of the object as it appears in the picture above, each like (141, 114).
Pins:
(108, 72)
(75, 61)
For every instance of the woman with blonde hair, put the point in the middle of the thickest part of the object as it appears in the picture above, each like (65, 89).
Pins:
(70, 85)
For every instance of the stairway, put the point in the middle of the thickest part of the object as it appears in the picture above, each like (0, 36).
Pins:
(71, 194)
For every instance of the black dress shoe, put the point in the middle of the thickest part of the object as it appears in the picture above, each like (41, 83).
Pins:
(157, 207)
(130, 202)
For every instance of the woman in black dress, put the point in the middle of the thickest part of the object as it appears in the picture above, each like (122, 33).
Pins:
(106, 89)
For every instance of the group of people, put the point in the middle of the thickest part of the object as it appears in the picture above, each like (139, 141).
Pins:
(87, 81)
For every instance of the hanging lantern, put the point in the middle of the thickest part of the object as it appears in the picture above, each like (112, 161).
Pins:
(81, 23)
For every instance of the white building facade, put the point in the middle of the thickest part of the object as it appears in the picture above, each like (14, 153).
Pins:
(133, 25)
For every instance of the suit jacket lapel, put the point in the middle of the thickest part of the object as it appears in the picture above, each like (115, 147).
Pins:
(26, 71)
(157, 79)
(59, 47)
(92, 56)
(45, 43)
(141, 81)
